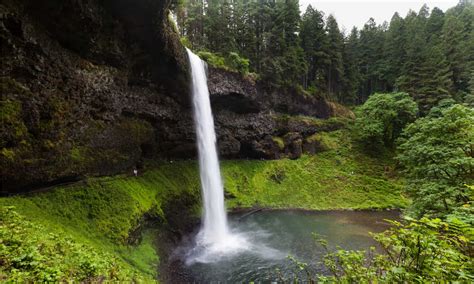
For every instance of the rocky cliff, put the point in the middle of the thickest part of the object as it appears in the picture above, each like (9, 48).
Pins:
(94, 87)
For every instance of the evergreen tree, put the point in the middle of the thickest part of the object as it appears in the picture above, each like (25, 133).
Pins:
(372, 63)
(434, 26)
(335, 70)
(457, 50)
(394, 51)
(242, 27)
(351, 68)
(314, 42)
(428, 55)
(426, 77)
(194, 24)
(283, 61)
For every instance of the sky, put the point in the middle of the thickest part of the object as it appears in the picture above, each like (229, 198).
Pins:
(351, 13)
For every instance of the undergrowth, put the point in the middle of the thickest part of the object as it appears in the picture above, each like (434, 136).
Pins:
(93, 220)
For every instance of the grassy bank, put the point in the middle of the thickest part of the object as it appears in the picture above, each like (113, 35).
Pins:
(343, 177)
(100, 214)
(89, 224)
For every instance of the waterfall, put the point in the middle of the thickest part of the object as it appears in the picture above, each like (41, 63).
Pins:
(214, 221)
(215, 239)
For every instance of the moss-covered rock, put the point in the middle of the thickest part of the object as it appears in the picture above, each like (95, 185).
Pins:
(321, 142)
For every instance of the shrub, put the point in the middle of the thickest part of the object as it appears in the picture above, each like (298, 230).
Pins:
(30, 254)
(234, 61)
(382, 117)
(437, 155)
(212, 59)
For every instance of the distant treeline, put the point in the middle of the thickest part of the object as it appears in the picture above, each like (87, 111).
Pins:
(428, 54)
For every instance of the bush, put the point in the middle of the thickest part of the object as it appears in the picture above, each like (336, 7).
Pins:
(382, 117)
(213, 59)
(234, 61)
(437, 155)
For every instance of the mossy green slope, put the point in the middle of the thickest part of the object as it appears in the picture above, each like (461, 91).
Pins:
(99, 215)
(342, 177)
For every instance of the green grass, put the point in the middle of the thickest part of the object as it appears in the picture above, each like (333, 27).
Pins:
(98, 215)
(340, 178)
(101, 213)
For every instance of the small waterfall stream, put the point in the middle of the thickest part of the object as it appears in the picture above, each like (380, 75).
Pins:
(214, 237)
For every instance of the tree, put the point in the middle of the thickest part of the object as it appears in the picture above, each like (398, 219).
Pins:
(382, 118)
(314, 42)
(371, 60)
(458, 52)
(434, 26)
(437, 156)
(218, 26)
(335, 69)
(351, 68)
(283, 59)
(425, 72)
(194, 24)
(394, 51)
(414, 251)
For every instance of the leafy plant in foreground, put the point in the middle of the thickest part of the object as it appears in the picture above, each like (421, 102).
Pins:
(29, 254)
(417, 251)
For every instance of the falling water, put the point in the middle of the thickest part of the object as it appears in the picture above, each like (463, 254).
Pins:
(214, 220)
(214, 240)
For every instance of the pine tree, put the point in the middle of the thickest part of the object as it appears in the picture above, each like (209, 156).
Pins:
(194, 24)
(426, 77)
(371, 59)
(314, 42)
(283, 61)
(458, 50)
(335, 69)
(218, 26)
(394, 51)
(351, 68)
(434, 26)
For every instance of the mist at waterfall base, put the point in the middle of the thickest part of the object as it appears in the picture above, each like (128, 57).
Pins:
(274, 235)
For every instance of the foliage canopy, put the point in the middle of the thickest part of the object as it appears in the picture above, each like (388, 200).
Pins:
(382, 117)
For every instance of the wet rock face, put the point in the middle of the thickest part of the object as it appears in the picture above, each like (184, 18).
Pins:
(94, 87)
(252, 122)
(87, 89)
